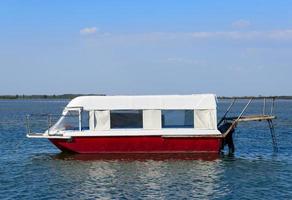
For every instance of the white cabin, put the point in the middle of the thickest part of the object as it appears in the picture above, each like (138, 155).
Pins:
(169, 115)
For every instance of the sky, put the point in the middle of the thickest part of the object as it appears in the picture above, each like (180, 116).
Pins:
(230, 48)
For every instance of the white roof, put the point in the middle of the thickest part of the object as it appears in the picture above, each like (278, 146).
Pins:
(195, 101)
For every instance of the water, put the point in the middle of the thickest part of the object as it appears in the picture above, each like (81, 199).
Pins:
(35, 169)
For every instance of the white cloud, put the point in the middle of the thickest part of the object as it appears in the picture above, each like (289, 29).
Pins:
(281, 34)
(236, 35)
(241, 24)
(228, 34)
(178, 60)
(250, 68)
(272, 35)
(268, 35)
(88, 31)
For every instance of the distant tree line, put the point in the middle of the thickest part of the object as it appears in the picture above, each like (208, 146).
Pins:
(71, 96)
(45, 96)
(255, 97)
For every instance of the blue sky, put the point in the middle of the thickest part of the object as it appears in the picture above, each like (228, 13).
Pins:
(146, 47)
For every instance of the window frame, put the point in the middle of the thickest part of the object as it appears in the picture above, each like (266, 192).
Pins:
(132, 111)
(176, 126)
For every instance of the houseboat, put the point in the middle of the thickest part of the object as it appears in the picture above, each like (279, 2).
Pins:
(139, 124)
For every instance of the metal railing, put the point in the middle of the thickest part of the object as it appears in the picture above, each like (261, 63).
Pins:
(260, 117)
(39, 121)
(264, 110)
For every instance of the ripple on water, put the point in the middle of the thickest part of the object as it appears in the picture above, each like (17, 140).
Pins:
(34, 169)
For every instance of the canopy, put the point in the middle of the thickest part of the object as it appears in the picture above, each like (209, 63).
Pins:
(153, 102)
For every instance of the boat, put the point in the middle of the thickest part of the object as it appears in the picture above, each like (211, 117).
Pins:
(143, 124)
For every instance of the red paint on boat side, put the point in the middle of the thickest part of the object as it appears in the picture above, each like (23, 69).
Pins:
(139, 144)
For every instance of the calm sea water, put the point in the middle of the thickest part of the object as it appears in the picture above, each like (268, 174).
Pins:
(35, 169)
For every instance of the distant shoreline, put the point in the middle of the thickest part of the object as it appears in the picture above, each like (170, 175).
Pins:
(71, 96)
(61, 96)
(256, 97)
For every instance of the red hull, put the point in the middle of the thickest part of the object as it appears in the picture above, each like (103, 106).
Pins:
(139, 144)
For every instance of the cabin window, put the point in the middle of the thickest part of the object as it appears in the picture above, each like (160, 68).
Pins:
(126, 119)
(177, 118)
(70, 121)
(84, 120)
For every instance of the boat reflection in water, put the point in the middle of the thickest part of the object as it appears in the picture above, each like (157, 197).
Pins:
(138, 156)
(140, 176)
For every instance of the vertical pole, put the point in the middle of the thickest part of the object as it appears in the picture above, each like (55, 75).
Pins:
(272, 107)
(28, 125)
(49, 123)
(80, 124)
(264, 107)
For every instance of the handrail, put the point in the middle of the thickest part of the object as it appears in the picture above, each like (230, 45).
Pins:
(264, 116)
(264, 112)
(28, 130)
(227, 111)
(264, 106)
(273, 105)
(41, 118)
(236, 121)
(47, 121)
(244, 109)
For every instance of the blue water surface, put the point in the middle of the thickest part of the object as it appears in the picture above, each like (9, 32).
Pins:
(35, 169)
